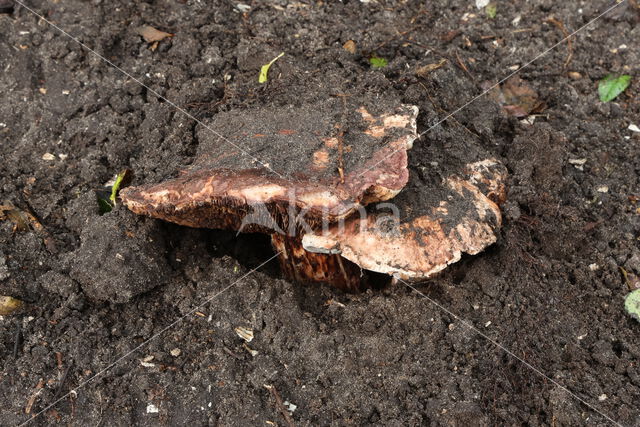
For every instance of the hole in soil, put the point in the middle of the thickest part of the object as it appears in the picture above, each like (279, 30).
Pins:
(249, 249)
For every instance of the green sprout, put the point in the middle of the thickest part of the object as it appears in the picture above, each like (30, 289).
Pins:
(491, 10)
(377, 62)
(265, 69)
(107, 204)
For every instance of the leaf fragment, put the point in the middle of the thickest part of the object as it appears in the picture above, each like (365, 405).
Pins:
(426, 69)
(632, 304)
(9, 305)
(262, 78)
(350, 46)
(245, 333)
(151, 35)
(517, 98)
(611, 86)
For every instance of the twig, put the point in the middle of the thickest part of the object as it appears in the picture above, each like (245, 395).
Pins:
(463, 66)
(34, 396)
(280, 406)
(565, 34)
(18, 339)
(62, 381)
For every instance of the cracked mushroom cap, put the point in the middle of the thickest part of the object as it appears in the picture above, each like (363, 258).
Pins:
(325, 159)
(460, 216)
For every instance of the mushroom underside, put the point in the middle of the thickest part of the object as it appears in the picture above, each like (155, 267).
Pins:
(336, 196)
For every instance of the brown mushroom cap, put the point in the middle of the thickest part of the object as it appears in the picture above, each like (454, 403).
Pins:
(459, 217)
(304, 149)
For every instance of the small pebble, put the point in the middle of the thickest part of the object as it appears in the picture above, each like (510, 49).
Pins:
(152, 409)
(633, 128)
(175, 352)
(48, 156)
(603, 189)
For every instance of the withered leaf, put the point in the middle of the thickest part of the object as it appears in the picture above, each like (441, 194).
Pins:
(350, 46)
(151, 35)
(517, 98)
(9, 305)
(15, 215)
(426, 69)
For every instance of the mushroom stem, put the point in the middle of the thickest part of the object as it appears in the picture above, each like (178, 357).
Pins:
(302, 266)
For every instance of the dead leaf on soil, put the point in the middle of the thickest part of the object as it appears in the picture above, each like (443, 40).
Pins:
(426, 69)
(9, 305)
(350, 46)
(23, 220)
(152, 35)
(517, 98)
(9, 212)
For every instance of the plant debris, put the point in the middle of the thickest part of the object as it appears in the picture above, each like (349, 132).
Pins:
(152, 35)
(262, 78)
(9, 305)
(350, 46)
(632, 304)
(517, 98)
(19, 218)
(611, 86)
(244, 333)
(429, 68)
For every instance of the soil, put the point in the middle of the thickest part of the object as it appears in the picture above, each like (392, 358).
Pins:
(97, 287)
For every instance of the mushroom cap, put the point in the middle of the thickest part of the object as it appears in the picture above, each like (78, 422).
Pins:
(435, 224)
(324, 159)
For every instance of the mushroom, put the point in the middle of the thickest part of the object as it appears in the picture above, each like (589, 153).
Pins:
(336, 168)
(460, 217)
(324, 161)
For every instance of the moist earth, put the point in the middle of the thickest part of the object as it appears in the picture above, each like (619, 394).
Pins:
(97, 287)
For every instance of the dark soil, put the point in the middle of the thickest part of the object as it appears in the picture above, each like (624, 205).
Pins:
(97, 287)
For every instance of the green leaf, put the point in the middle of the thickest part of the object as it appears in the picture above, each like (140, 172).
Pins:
(104, 205)
(632, 304)
(265, 69)
(612, 86)
(377, 62)
(491, 10)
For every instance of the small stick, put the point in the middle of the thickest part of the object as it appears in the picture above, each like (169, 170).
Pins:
(463, 66)
(34, 396)
(565, 34)
(62, 381)
(18, 339)
(280, 406)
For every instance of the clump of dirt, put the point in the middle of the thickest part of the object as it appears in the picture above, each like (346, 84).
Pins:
(551, 290)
